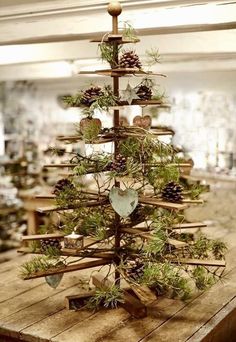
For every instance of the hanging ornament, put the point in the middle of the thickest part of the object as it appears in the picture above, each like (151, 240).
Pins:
(118, 164)
(129, 59)
(129, 94)
(54, 280)
(172, 192)
(144, 92)
(90, 127)
(123, 201)
(90, 95)
(142, 121)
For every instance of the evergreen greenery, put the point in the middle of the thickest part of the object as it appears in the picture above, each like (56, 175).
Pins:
(106, 297)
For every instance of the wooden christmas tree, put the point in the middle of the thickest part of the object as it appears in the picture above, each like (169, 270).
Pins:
(130, 219)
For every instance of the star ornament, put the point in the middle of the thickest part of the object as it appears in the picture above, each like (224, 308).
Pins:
(129, 94)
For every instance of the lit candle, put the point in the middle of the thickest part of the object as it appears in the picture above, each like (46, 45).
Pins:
(74, 241)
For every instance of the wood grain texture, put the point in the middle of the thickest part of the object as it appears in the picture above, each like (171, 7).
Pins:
(36, 313)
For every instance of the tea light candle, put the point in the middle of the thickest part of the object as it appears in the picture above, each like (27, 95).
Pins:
(73, 241)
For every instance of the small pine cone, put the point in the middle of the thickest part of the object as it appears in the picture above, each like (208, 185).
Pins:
(119, 164)
(138, 215)
(144, 92)
(134, 269)
(50, 243)
(90, 95)
(130, 59)
(172, 192)
(61, 185)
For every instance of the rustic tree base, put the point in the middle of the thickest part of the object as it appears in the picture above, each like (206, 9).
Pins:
(131, 303)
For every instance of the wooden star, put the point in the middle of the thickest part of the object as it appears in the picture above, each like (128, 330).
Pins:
(129, 94)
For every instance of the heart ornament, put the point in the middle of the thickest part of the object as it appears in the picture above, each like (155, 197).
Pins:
(54, 280)
(142, 121)
(123, 201)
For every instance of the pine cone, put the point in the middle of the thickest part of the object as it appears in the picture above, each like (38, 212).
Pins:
(50, 243)
(144, 92)
(130, 59)
(90, 95)
(139, 214)
(134, 268)
(61, 185)
(172, 192)
(119, 164)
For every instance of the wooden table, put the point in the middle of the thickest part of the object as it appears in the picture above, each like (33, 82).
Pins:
(31, 204)
(31, 311)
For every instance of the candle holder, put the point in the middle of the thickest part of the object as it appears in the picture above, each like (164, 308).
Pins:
(74, 241)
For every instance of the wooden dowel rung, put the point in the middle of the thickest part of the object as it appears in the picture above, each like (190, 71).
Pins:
(219, 263)
(66, 269)
(189, 225)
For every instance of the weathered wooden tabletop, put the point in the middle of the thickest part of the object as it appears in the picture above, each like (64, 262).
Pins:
(32, 311)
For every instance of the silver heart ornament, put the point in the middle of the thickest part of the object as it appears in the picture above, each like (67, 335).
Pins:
(54, 280)
(123, 201)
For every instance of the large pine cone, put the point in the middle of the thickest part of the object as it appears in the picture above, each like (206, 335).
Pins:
(90, 95)
(50, 243)
(144, 92)
(119, 164)
(130, 59)
(61, 185)
(172, 192)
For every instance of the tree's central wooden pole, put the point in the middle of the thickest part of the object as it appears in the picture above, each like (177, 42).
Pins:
(114, 9)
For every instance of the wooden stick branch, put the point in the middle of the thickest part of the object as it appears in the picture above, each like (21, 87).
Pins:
(218, 263)
(70, 252)
(196, 201)
(42, 237)
(79, 205)
(189, 225)
(149, 236)
(162, 204)
(66, 269)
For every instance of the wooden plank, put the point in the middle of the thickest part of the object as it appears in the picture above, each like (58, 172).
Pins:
(159, 313)
(221, 327)
(69, 268)
(134, 330)
(31, 295)
(13, 324)
(92, 328)
(196, 313)
(52, 325)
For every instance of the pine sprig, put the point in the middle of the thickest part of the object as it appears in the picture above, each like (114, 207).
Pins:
(106, 297)
(153, 57)
(37, 264)
(203, 279)
(164, 277)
